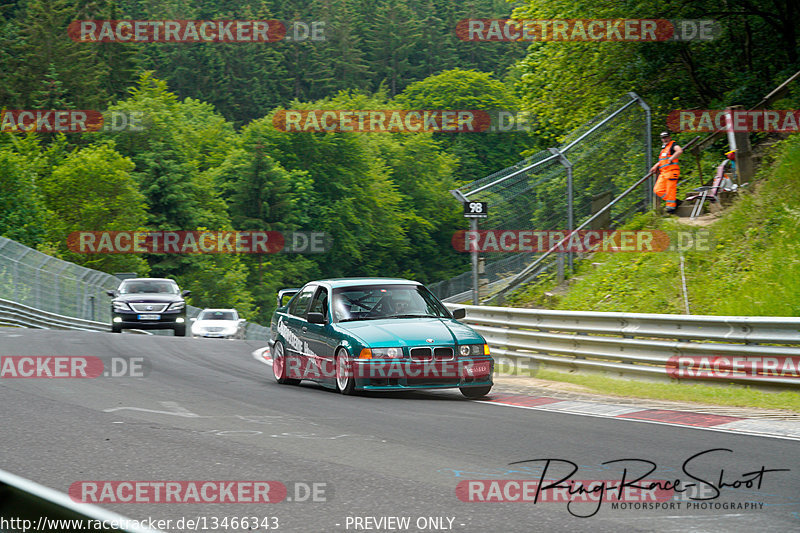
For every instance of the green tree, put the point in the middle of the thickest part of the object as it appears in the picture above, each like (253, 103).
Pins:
(565, 83)
(479, 154)
(92, 189)
(179, 144)
(22, 216)
(393, 36)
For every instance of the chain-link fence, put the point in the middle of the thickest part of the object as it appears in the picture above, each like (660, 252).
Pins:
(559, 188)
(35, 279)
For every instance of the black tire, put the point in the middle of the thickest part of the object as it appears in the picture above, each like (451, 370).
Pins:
(180, 330)
(279, 366)
(116, 329)
(475, 392)
(345, 381)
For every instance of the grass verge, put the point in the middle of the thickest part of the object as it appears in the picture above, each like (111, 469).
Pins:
(749, 263)
(733, 395)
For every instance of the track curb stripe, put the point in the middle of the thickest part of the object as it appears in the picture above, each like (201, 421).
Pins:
(703, 421)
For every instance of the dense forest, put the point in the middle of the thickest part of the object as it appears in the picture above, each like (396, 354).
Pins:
(210, 156)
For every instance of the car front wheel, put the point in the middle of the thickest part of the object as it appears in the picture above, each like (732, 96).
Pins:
(345, 382)
(180, 331)
(475, 392)
(279, 366)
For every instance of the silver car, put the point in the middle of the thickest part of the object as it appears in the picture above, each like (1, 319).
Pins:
(218, 324)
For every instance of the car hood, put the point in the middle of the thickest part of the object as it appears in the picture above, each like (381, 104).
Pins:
(411, 332)
(215, 324)
(148, 297)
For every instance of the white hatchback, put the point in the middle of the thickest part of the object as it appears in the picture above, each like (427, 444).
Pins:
(218, 324)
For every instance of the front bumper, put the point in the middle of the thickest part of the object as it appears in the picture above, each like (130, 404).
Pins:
(166, 320)
(214, 335)
(403, 374)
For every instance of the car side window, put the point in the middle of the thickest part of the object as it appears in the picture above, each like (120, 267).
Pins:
(300, 305)
(320, 302)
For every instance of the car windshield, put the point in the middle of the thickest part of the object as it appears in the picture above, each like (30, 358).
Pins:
(385, 301)
(148, 287)
(217, 315)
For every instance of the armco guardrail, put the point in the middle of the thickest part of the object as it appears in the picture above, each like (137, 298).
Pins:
(745, 349)
(16, 314)
(28, 506)
(40, 291)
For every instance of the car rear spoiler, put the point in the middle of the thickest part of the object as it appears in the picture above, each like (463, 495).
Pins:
(284, 295)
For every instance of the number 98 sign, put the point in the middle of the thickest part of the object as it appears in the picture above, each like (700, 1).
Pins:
(476, 209)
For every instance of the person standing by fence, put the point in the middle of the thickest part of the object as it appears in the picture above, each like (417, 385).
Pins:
(668, 172)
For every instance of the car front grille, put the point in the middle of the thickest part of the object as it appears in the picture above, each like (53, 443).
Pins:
(438, 353)
(149, 308)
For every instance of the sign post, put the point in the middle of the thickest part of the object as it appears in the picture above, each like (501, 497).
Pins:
(473, 211)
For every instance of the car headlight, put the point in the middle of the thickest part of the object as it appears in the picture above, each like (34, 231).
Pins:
(177, 305)
(467, 350)
(387, 353)
(120, 306)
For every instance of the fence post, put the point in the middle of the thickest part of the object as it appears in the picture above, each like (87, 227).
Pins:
(476, 300)
(570, 203)
(740, 141)
(648, 142)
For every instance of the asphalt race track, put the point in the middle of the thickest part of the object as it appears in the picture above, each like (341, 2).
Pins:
(207, 410)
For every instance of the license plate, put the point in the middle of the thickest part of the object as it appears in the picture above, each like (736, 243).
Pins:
(479, 369)
(149, 317)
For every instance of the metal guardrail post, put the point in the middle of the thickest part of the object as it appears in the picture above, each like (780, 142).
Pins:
(14, 279)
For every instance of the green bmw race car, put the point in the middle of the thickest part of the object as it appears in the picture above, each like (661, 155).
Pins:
(376, 334)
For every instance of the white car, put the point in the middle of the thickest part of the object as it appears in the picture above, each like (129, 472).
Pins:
(218, 324)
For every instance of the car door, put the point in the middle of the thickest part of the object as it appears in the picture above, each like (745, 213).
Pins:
(290, 327)
(318, 336)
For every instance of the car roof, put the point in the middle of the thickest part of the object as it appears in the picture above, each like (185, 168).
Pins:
(148, 279)
(215, 309)
(354, 282)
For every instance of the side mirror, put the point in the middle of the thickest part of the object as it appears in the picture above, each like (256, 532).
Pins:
(112, 293)
(193, 319)
(316, 318)
(186, 293)
(242, 321)
(284, 295)
(459, 313)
